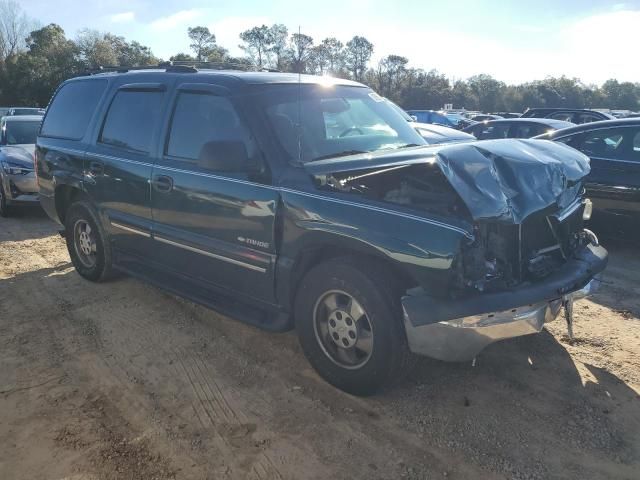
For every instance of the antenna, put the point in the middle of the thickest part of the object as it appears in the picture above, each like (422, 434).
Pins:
(299, 101)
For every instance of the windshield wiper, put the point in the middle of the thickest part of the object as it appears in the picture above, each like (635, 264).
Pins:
(340, 154)
(409, 145)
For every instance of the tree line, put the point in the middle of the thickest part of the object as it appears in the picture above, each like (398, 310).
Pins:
(35, 59)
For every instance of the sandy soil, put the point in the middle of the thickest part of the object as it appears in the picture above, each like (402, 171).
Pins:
(122, 381)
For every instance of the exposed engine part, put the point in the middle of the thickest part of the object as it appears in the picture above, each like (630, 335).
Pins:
(421, 187)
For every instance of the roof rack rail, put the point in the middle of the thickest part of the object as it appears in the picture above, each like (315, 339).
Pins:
(178, 66)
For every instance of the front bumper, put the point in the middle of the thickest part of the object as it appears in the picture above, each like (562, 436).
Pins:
(458, 330)
(21, 188)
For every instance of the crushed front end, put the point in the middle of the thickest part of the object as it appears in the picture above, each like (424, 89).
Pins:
(529, 257)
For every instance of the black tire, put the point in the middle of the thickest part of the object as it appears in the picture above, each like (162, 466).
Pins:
(5, 209)
(378, 296)
(82, 213)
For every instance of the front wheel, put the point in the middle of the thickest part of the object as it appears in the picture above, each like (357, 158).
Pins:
(349, 324)
(87, 243)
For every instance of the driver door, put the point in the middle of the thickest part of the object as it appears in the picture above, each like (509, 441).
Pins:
(214, 226)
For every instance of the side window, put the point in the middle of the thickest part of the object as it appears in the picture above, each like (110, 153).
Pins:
(489, 132)
(586, 118)
(636, 145)
(528, 130)
(564, 116)
(614, 143)
(131, 119)
(207, 129)
(72, 108)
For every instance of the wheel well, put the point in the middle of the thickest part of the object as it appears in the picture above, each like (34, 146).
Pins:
(65, 195)
(315, 256)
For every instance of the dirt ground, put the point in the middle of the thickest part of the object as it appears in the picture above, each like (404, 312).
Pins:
(123, 381)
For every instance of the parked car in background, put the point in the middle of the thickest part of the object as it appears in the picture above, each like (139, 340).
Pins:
(614, 182)
(432, 133)
(508, 114)
(228, 189)
(438, 134)
(515, 128)
(17, 178)
(13, 111)
(485, 117)
(431, 116)
(573, 115)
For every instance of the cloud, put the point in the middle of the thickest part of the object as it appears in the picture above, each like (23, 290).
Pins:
(123, 17)
(178, 19)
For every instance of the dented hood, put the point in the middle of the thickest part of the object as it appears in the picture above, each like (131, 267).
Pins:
(503, 180)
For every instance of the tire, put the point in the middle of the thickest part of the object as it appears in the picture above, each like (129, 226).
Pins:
(96, 265)
(357, 371)
(5, 209)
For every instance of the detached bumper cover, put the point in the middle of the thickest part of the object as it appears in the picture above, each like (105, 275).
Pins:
(457, 330)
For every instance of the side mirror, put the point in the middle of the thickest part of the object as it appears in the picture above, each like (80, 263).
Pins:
(414, 118)
(225, 156)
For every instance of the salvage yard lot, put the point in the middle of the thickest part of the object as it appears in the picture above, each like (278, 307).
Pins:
(121, 380)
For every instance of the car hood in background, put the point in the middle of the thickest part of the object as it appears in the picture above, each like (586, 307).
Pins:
(22, 154)
(438, 134)
(501, 180)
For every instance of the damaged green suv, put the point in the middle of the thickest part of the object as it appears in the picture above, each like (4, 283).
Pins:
(310, 203)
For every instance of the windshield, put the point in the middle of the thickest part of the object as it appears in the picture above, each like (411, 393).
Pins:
(404, 114)
(313, 122)
(20, 133)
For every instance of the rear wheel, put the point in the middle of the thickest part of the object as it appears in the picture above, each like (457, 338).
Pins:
(88, 245)
(4, 208)
(349, 324)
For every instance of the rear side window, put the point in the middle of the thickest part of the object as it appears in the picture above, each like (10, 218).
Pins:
(72, 108)
(131, 120)
(614, 143)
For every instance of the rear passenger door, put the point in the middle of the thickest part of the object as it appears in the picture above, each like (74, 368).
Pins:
(119, 162)
(213, 208)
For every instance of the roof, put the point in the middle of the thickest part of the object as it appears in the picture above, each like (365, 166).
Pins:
(549, 122)
(23, 118)
(247, 78)
(585, 127)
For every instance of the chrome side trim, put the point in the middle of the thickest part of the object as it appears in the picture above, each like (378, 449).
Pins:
(130, 229)
(68, 151)
(216, 177)
(209, 254)
(119, 159)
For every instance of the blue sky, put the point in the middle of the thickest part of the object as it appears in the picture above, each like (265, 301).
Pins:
(514, 41)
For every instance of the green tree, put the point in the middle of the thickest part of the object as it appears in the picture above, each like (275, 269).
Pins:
(301, 47)
(488, 91)
(279, 46)
(357, 55)
(258, 43)
(203, 43)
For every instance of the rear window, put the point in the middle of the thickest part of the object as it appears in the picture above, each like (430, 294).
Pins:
(21, 133)
(72, 108)
(132, 117)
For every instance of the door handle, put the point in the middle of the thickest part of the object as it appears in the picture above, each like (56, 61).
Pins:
(162, 183)
(96, 168)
